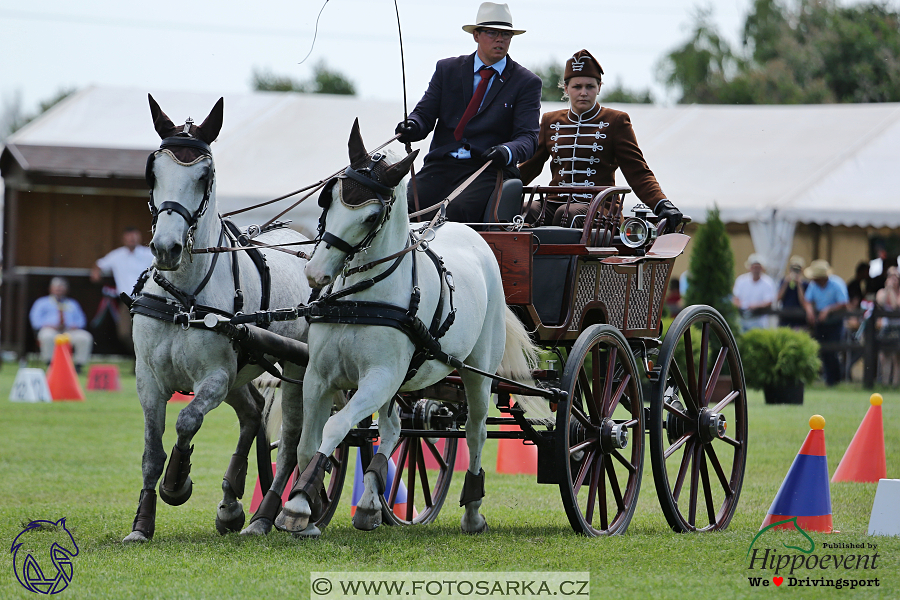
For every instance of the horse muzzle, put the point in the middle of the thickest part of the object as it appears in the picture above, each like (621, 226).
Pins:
(166, 256)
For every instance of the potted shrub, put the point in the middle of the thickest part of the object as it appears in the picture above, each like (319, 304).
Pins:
(779, 362)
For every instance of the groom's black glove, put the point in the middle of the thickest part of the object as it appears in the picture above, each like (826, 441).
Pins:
(497, 155)
(408, 130)
(664, 209)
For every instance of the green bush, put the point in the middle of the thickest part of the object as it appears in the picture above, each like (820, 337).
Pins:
(779, 357)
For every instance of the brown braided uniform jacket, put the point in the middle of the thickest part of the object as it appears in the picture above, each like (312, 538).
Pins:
(586, 150)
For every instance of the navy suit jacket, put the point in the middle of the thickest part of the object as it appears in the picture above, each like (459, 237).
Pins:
(509, 114)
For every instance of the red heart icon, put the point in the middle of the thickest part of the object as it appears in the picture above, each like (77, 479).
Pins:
(778, 580)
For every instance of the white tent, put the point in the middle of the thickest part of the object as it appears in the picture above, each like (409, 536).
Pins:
(769, 166)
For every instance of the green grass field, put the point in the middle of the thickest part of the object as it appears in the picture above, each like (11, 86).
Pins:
(81, 460)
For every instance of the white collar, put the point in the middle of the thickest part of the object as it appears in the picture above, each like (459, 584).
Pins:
(498, 66)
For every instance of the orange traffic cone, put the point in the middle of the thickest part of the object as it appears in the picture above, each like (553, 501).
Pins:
(864, 460)
(62, 379)
(514, 456)
(804, 497)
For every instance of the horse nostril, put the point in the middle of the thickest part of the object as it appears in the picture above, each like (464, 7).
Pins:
(176, 250)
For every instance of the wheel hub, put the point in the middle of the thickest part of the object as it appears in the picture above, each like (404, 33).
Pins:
(613, 436)
(427, 413)
(712, 425)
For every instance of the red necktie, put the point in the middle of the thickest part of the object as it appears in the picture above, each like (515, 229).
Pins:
(486, 74)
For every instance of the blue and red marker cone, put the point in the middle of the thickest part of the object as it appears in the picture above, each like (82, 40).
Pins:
(359, 487)
(804, 493)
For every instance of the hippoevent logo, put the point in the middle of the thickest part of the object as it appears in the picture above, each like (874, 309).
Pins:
(801, 566)
(42, 556)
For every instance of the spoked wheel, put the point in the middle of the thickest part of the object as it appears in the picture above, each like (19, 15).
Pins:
(602, 433)
(424, 468)
(698, 422)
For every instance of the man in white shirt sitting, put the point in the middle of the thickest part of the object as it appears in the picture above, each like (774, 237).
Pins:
(752, 292)
(125, 264)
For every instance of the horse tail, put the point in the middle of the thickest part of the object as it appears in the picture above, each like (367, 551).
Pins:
(520, 357)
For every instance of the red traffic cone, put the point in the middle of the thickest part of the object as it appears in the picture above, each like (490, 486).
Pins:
(804, 493)
(514, 456)
(864, 460)
(61, 378)
(258, 492)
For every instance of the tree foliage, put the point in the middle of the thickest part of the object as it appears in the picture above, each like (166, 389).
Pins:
(323, 81)
(711, 270)
(794, 52)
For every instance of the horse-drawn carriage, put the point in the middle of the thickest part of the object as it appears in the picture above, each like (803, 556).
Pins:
(591, 300)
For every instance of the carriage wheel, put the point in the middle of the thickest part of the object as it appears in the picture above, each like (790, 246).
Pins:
(602, 431)
(425, 467)
(698, 422)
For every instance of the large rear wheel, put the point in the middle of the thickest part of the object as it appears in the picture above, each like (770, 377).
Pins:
(698, 422)
(601, 426)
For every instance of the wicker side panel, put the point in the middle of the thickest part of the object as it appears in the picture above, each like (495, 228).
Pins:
(612, 292)
(661, 276)
(639, 300)
(585, 292)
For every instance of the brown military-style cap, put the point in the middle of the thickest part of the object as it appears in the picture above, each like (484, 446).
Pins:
(582, 64)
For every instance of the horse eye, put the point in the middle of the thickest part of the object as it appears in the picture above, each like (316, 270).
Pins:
(371, 218)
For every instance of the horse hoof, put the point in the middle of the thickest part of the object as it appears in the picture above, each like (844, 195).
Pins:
(261, 526)
(311, 532)
(178, 497)
(478, 530)
(226, 527)
(365, 520)
(135, 537)
(291, 522)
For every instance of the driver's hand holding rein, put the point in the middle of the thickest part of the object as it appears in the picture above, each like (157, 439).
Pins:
(490, 115)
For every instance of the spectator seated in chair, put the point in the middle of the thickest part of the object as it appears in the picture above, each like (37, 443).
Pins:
(56, 314)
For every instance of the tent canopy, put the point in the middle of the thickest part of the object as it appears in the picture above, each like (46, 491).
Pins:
(810, 164)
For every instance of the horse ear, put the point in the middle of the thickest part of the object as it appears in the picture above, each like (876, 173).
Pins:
(397, 171)
(161, 121)
(357, 149)
(209, 129)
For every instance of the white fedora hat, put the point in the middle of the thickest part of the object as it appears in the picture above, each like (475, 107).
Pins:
(493, 16)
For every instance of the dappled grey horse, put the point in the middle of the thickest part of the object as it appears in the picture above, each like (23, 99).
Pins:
(174, 351)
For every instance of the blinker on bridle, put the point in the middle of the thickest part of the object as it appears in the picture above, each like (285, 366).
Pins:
(182, 139)
(368, 178)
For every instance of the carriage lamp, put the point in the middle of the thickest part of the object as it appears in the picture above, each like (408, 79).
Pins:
(637, 231)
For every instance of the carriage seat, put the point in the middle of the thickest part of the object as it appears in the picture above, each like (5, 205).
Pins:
(508, 204)
(550, 273)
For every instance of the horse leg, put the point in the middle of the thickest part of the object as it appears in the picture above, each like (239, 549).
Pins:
(230, 511)
(325, 433)
(153, 403)
(268, 511)
(368, 510)
(176, 486)
(478, 392)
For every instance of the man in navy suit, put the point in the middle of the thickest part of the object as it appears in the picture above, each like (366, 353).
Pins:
(482, 107)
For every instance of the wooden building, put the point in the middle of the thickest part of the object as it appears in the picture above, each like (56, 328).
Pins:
(64, 208)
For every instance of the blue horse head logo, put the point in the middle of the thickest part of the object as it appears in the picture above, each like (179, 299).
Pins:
(59, 545)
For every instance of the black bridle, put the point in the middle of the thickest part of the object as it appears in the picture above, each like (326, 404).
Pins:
(369, 179)
(181, 140)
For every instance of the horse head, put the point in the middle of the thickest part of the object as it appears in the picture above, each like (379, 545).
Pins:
(181, 176)
(356, 205)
